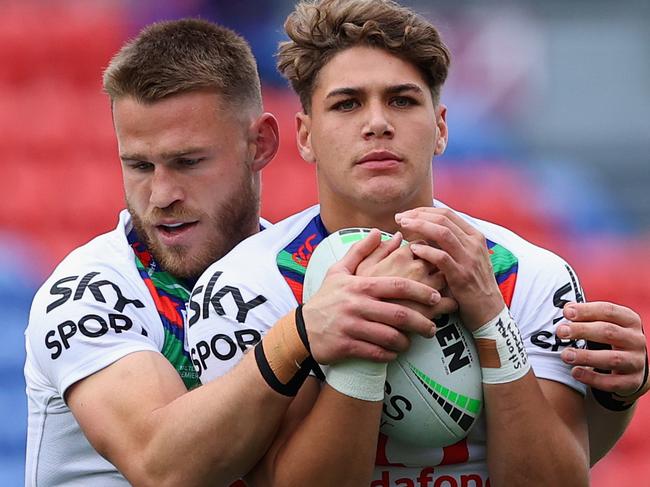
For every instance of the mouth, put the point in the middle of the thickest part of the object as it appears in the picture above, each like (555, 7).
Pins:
(380, 159)
(172, 232)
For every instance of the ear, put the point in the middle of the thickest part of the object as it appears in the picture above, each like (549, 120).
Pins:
(264, 140)
(303, 137)
(442, 132)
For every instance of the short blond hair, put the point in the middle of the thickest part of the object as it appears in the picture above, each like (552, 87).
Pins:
(320, 29)
(179, 56)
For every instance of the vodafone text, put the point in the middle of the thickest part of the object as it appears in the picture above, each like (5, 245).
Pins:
(427, 477)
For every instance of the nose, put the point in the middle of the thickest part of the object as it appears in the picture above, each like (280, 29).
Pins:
(378, 125)
(165, 188)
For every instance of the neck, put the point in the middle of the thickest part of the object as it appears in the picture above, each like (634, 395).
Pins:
(338, 216)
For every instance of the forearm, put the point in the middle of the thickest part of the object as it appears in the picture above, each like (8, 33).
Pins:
(528, 442)
(221, 430)
(335, 444)
(228, 426)
(605, 427)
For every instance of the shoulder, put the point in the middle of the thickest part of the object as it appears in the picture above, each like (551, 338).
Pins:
(269, 242)
(103, 271)
(250, 270)
(532, 260)
(94, 299)
(239, 297)
(254, 261)
(537, 277)
(540, 272)
(536, 284)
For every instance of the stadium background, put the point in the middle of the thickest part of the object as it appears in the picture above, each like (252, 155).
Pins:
(549, 107)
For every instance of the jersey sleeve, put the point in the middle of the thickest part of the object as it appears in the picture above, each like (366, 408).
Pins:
(543, 287)
(230, 309)
(82, 322)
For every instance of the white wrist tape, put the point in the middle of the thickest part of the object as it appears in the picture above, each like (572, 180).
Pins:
(356, 378)
(501, 350)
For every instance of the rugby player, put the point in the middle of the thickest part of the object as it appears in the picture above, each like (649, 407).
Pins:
(107, 372)
(369, 74)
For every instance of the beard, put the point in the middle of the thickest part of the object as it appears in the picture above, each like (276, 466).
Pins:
(228, 224)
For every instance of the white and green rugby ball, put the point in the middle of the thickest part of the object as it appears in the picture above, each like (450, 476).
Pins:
(433, 393)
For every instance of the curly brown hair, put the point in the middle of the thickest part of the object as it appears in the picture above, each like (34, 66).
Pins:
(180, 56)
(319, 29)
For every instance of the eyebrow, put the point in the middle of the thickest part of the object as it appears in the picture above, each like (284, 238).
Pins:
(176, 154)
(391, 90)
(343, 92)
(404, 87)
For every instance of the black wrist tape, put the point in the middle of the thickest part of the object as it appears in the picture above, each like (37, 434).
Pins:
(283, 356)
(302, 332)
(289, 389)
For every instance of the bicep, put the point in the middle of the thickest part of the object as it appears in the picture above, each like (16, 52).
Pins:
(114, 406)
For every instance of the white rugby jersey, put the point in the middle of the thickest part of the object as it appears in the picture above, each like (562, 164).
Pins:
(239, 297)
(93, 310)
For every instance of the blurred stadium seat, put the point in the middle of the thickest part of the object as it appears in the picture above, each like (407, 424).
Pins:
(59, 169)
(19, 275)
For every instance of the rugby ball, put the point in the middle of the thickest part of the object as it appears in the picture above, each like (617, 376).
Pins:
(433, 392)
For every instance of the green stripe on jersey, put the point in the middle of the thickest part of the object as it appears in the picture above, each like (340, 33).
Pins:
(285, 259)
(502, 259)
(173, 351)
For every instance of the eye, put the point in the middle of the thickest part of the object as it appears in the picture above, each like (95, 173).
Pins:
(140, 166)
(346, 105)
(188, 162)
(403, 101)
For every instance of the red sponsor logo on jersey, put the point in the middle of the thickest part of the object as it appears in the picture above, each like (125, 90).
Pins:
(303, 254)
